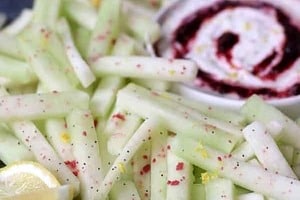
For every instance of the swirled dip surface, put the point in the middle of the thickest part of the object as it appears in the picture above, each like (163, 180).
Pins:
(241, 47)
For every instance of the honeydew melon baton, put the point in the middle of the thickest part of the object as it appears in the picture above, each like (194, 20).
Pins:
(41, 106)
(146, 67)
(147, 104)
(249, 176)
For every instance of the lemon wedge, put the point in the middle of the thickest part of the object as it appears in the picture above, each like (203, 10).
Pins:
(25, 177)
(64, 192)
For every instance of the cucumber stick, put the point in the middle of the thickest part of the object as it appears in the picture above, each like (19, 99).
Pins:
(180, 177)
(219, 189)
(147, 104)
(86, 151)
(256, 109)
(159, 167)
(243, 151)
(240, 173)
(266, 149)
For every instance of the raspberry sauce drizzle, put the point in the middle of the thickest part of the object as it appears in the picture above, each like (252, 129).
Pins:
(186, 32)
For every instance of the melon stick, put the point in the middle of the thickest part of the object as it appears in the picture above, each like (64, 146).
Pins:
(106, 30)
(9, 46)
(119, 127)
(256, 109)
(243, 151)
(12, 149)
(60, 138)
(45, 67)
(149, 127)
(211, 111)
(83, 14)
(246, 175)
(147, 104)
(250, 196)
(266, 149)
(145, 67)
(41, 106)
(179, 178)
(80, 67)
(141, 170)
(124, 190)
(46, 12)
(86, 151)
(219, 189)
(19, 24)
(27, 132)
(17, 73)
(159, 171)
(46, 39)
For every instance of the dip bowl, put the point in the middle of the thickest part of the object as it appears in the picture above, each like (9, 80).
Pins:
(175, 43)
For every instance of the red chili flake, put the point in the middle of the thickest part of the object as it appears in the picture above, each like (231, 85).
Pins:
(179, 166)
(229, 155)
(84, 133)
(145, 157)
(101, 37)
(219, 158)
(65, 125)
(153, 160)
(173, 183)
(171, 60)
(168, 147)
(146, 168)
(72, 166)
(119, 116)
(138, 65)
(86, 115)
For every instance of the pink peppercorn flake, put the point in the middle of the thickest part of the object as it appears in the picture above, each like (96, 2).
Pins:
(179, 166)
(146, 168)
(119, 116)
(173, 183)
(84, 133)
(72, 165)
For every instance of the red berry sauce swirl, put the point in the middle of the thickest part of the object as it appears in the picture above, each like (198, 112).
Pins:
(241, 47)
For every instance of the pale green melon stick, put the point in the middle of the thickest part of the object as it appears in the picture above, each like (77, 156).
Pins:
(106, 30)
(80, 67)
(219, 188)
(12, 149)
(149, 127)
(124, 189)
(256, 109)
(159, 169)
(46, 12)
(45, 67)
(249, 176)
(141, 170)
(16, 71)
(180, 177)
(145, 67)
(9, 46)
(43, 152)
(86, 151)
(81, 13)
(147, 104)
(41, 106)
(266, 149)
